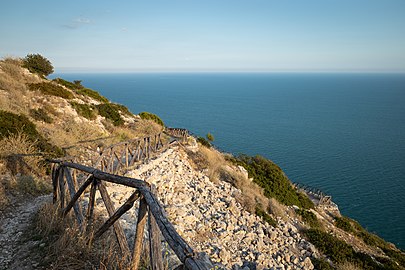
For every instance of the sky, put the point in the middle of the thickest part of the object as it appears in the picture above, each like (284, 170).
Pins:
(207, 35)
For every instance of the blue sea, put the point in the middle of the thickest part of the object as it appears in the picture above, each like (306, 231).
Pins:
(342, 133)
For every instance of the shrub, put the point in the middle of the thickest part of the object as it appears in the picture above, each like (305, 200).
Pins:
(66, 83)
(344, 224)
(340, 252)
(321, 264)
(91, 93)
(266, 217)
(122, 109)
(110, 112)
(210, 137)
(309, 218)
(40, 115)
(13, 124)
(36, 63)
(151, 116)
(51, 89)
(204, 142)
(272, 179)
(85, 110)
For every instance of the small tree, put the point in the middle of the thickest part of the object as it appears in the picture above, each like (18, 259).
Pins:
(210, 137)
(36, 63)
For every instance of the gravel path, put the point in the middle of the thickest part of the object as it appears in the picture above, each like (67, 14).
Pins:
(12, 225)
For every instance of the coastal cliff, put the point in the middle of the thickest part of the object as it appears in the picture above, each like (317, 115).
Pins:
(243, 212)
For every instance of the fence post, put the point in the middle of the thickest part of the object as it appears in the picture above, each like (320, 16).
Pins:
(155, 243)
(90, 207)
(140, 227)
(62, 186)
(119, 232)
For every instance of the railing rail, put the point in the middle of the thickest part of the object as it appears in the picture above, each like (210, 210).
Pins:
(67, 193)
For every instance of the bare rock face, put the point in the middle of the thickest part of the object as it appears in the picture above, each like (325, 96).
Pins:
(211, 220)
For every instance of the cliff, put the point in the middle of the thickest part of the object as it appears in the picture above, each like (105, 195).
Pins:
(243, 212)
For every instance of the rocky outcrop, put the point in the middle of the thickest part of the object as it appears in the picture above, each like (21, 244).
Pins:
(211, 220)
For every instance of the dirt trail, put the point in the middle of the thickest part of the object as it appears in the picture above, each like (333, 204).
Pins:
(14, 254)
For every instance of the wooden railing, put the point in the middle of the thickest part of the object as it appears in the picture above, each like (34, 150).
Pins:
(179, 133)
(125, 154)
(67, 193)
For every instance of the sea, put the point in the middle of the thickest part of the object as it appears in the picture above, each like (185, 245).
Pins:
(341, 133)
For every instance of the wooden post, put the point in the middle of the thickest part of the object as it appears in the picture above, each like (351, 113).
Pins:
(140, 227)
(122, 210)
(72, 192)
(155, 242)
(77, 195)
(61, 187)
(126, 156)
(119, 232)
(55, 178)
(90, 208)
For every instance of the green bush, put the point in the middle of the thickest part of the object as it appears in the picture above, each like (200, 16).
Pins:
(122, 109)
(51, 89)
(272, 179)
(321, 264)
(210, 137)
(204, 142)
(309, 218)
(110, 112)
(36, 63)
(66, 83)
(266, 217)
(91, 93)
(13, 123)
(344, 224)
(339, 252)
(40, 115)
(85, 110)
(371, 239)
(151, 116)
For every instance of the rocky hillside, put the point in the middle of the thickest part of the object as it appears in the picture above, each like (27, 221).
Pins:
(243, 212)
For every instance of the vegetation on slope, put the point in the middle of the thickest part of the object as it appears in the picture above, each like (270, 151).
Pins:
(151, 116)
(51, 89)
(85, 110)
(272, 179)
(13, 124)
(109, 111)
(340, 252)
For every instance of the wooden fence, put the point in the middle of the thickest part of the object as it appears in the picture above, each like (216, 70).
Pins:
(125, 154)
(67, 193)
(180, 133)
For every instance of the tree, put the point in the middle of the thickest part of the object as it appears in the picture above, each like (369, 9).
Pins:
(36, 63)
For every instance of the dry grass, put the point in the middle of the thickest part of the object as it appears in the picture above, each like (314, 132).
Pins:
(67, 247)
(20, 169)
(12, 81)
(146, 127)
(348, 266)
(19, 154)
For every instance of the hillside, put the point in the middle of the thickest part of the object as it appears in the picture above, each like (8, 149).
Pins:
(243, 212)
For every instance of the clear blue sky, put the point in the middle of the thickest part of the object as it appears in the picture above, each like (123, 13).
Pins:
(219, 35)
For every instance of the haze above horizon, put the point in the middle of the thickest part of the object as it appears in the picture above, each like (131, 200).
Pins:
(208, 36)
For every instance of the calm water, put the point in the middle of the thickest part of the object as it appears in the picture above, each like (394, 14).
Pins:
(344, 134)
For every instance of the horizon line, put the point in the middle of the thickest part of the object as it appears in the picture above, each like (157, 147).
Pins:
(101, 71)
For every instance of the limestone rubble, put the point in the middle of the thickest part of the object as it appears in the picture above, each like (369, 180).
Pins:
(210, 219)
